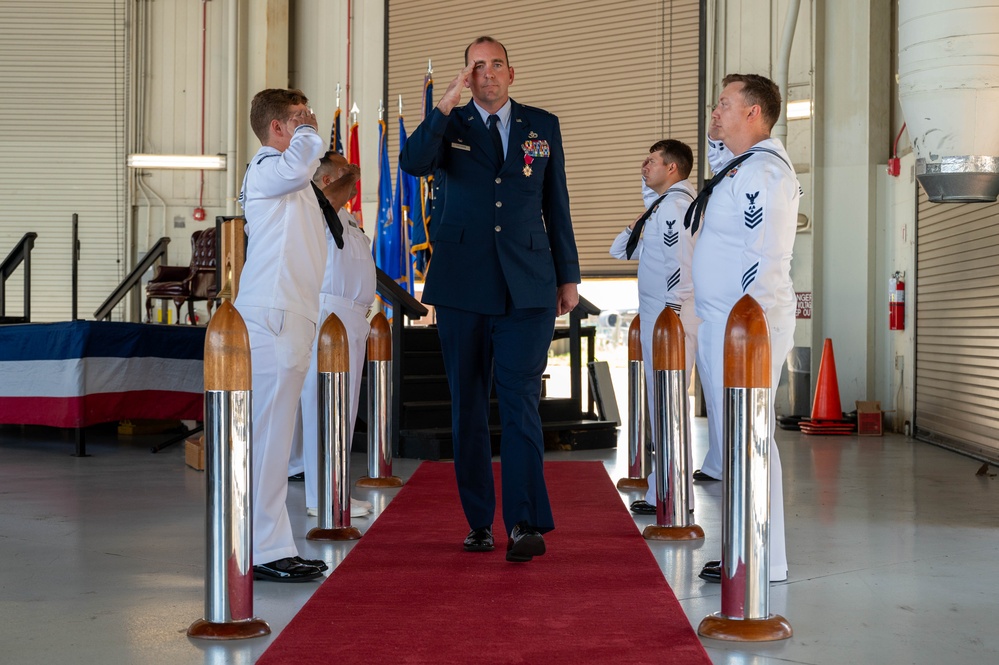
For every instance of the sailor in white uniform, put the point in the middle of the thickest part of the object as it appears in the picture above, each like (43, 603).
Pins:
(745, 248)
(278, 296)
(664, 252)
(348, 290)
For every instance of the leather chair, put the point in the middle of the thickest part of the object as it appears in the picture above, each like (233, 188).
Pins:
(189, 284)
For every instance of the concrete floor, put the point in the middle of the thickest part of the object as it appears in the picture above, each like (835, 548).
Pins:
(892, 545)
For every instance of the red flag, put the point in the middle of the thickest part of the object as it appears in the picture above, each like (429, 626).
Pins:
(354, 157)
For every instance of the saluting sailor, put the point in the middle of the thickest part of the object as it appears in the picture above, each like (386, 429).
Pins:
(745, 247)
(664, 251)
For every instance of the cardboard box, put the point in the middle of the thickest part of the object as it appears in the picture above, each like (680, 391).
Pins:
(194, 452)
(869, 418)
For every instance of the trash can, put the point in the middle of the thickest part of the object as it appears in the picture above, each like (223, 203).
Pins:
(799, 379)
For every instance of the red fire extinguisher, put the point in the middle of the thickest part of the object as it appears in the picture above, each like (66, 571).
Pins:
(896, 301)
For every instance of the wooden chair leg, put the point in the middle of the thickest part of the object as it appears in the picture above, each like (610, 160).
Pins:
(149, 310)
(190, 312)
(178, 302)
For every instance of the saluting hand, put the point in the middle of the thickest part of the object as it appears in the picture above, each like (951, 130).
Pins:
(452, 96)
(342, 189)
(304, 117)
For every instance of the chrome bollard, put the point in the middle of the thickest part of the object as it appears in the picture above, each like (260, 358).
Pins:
(637, 476)
(745, 597)
(379, 407)
(672, 439)
(228, 526)
(333, 363)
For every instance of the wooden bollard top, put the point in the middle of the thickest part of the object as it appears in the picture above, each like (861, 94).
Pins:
(380, 339)
(747, 346)
(333, 355)
(635, 339)
(668, 347)
(227, 351)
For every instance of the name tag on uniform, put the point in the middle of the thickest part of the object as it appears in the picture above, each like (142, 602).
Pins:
(461, 146)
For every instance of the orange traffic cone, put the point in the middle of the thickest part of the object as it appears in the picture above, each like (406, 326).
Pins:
(827, 412)
(826, 405)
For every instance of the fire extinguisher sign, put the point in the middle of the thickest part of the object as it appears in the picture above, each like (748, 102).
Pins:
(804, 308)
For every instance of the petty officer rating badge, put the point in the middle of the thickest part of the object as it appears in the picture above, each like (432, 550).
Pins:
(670, 237)
(753, 214)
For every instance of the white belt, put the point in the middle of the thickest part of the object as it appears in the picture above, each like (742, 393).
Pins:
(359, 307)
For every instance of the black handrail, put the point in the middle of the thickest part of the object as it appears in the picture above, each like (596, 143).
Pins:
(582, 310)
(133, 278)
(397, 297)
(20, 253)
(400, 301)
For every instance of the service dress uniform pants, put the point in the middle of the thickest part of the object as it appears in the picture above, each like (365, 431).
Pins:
(513, 348)
(279, 354)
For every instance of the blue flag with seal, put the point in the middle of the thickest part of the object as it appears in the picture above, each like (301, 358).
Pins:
(407, 200)
(389, 243)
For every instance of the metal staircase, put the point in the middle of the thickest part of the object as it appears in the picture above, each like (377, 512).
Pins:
(424, 399)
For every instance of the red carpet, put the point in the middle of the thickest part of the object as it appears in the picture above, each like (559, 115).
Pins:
(408, 593)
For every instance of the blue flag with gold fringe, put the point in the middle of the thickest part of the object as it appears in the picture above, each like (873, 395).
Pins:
(420, 244)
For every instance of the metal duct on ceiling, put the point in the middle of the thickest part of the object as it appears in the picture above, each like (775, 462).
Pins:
(948, 67)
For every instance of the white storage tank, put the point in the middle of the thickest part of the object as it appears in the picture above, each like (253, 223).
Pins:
(948, 67)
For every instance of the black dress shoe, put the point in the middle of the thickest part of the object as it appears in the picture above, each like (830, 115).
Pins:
(297, 478)
(479, 540)
(286, 570)
(315, 563)
(524, 544)
(711, 573)
(642, 507)
(703, 477)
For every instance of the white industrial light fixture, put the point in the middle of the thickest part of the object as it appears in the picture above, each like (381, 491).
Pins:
(195, 162)
(799, 109)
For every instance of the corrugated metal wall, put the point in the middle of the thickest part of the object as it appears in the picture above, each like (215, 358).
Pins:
(957, 326)
(169, 102)
(62, 81)
(620, 76)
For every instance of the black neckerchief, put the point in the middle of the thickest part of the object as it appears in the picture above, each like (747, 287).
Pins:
(329, 214)
(693, 217)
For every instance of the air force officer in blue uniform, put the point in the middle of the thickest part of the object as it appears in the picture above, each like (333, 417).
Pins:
(504, 266)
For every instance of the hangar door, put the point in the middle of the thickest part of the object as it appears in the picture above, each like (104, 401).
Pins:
(62, 100)
(957, 326)
(620, 76)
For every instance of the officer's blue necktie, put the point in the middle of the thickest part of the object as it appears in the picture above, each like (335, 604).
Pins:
(497, 139)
